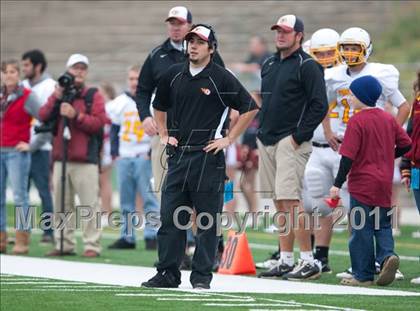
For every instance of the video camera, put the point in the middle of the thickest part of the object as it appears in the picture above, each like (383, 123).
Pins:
(66, 81)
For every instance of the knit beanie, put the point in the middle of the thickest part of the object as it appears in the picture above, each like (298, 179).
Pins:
(367, 89)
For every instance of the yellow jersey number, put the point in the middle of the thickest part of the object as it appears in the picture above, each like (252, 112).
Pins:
(346, 105)
(134, 128)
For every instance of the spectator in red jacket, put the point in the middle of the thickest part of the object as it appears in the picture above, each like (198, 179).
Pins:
(83, 158)
(410, 164)
(18, 106)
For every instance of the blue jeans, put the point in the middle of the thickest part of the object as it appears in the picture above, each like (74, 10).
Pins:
(362, 240)
(416, 193)
(15, 165)
(40, 174)
(134, 176)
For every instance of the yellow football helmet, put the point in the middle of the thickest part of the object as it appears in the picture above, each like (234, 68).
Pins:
(324, 49)
(356, 37)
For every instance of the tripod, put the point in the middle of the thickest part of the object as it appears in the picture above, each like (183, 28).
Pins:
(66, 138)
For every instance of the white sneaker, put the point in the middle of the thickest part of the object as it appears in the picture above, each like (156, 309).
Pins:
(416, 281)
(399, 276)
(347, 274)
(270, 262)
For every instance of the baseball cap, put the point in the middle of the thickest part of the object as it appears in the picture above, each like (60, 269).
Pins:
(77, 58)
(289, 23)
(181, 13)
(204, 32)
(367, 89)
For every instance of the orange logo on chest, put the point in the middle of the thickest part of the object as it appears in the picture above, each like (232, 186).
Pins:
(205, 91)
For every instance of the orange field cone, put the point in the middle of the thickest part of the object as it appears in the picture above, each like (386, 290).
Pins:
(237, 257)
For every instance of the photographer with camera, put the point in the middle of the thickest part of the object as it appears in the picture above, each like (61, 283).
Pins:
(76, 115)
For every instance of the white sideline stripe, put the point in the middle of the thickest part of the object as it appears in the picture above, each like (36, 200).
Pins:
(110, 274)
(58, 290)
(207, 299)
(38, 283)
(161, 295)
(333, 252)
(82, 286)
(22, 279)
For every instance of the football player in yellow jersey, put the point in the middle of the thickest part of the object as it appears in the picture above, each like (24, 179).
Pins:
(323, 162)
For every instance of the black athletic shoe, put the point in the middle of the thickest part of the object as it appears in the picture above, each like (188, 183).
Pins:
(162, 280)
(277, 271)
(326, 268)
(201, 285)
(151, 244)
(186, 263)
(122, 244)
(304, 271)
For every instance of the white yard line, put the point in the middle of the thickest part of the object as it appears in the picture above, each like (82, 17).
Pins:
(294, 309)
(249, 305)
(18, 279)
(38, 283)
(312, 305)
(124, 275)
(161, 295)
(207, 299)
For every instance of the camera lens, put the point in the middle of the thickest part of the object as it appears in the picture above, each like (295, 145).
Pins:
(66, 80)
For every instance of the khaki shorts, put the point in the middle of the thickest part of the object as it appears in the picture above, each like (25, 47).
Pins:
(281, 169)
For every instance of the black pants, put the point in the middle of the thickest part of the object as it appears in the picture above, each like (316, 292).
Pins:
(196, 180)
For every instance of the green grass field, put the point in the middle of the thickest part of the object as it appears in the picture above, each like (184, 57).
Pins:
(23, 293)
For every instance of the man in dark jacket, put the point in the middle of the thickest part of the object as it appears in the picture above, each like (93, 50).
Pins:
(294, 104)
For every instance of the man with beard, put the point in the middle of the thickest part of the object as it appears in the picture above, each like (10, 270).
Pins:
(294, 103)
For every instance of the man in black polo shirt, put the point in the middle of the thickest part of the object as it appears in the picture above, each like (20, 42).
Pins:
(294, 103)
(156, 64)
(199, 94)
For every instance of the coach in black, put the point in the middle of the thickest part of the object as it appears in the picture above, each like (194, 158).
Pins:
(294, 104)
(157, 63)
(199, 94)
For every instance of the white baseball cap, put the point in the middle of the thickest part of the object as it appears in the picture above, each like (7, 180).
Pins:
(77, 58)
(181, 13)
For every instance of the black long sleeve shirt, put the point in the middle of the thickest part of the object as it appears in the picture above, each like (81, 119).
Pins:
(294, 99)
(154, 67)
